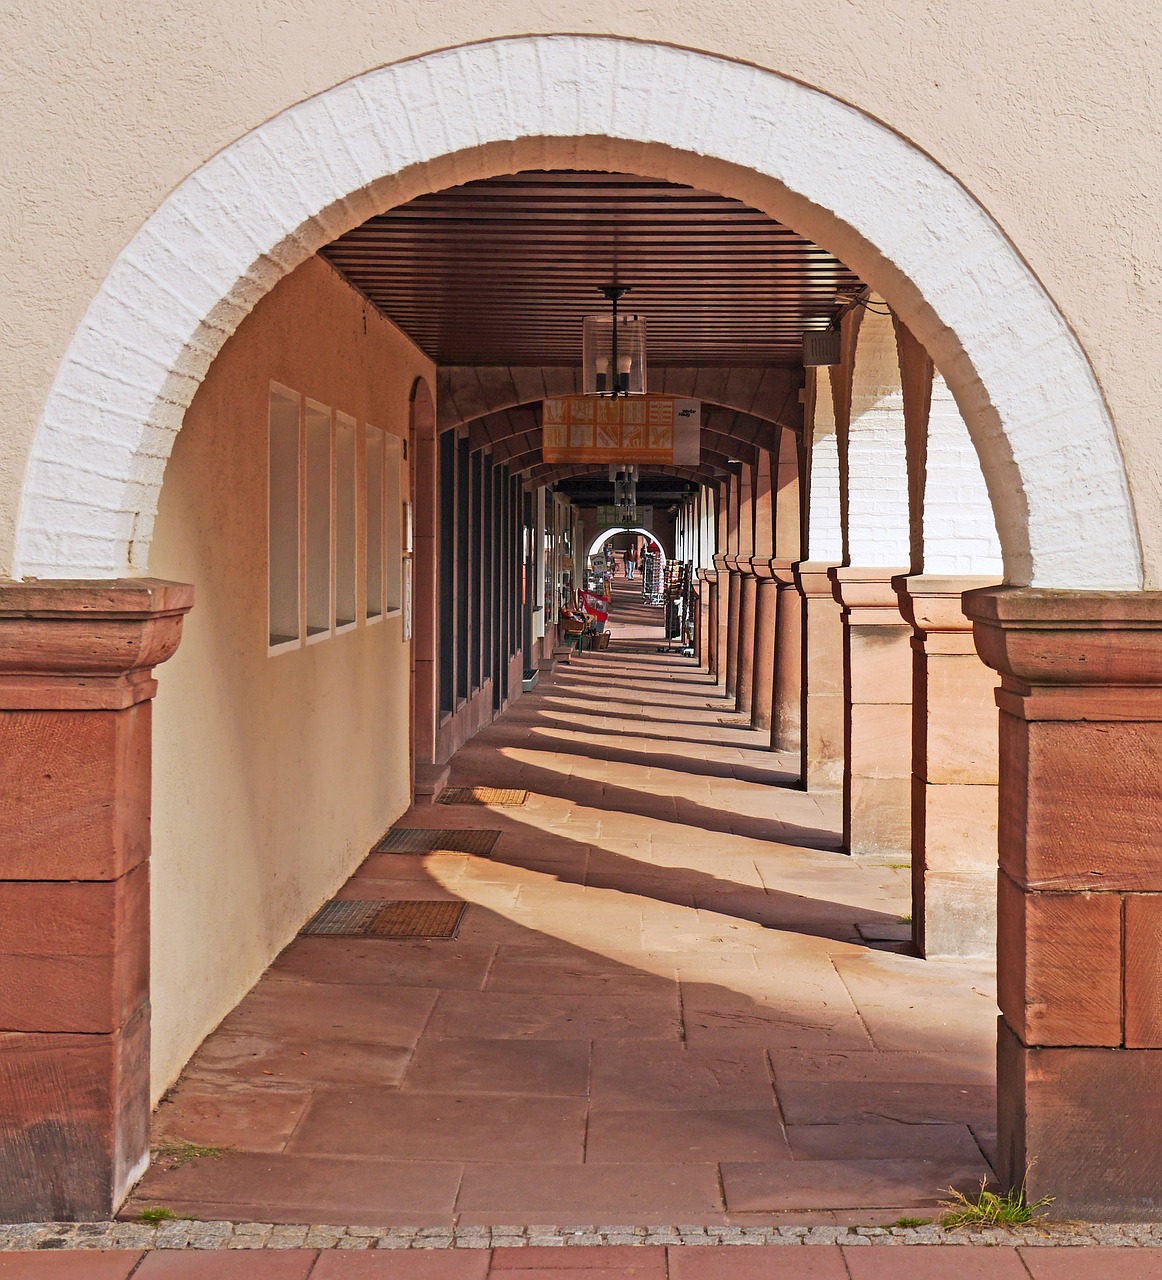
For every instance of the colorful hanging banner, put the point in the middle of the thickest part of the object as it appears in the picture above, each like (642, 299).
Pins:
(658, 429)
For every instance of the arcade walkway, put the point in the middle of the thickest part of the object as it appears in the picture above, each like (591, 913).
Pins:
(670, 1000)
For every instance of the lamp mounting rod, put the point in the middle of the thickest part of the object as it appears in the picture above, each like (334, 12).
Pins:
(614, 292)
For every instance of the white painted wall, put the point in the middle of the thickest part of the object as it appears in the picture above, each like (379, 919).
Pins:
(272, 776)
(959, 531)
(256, 208)
(824, 526)
(876, 472)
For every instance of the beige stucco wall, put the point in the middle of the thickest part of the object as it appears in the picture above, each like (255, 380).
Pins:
(1046, 112)
(273, 775)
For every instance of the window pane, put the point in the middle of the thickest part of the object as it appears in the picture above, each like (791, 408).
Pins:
(283, 517)
(318, 519)
(375, 446)
(345, 565)
(394, 516)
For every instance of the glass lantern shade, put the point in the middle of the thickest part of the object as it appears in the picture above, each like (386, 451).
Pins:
(605, 374)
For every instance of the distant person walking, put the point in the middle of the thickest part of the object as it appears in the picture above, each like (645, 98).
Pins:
(631, 563)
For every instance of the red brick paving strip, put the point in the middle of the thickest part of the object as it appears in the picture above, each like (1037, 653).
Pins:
(69, 1264)
(387, 1264)
(1096, 1262)
(219, 1264)
(937, 1262)
(819, 1262)
(644, 1261)
(609, 1262)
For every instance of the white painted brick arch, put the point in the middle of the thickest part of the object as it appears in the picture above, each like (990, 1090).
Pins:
(267, 202)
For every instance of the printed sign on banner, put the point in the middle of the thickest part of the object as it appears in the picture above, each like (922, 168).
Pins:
(659, 429)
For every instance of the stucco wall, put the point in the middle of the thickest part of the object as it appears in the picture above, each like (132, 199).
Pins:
(272, 775)
(1046, 112)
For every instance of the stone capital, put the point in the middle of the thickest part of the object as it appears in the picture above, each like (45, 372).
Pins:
(867, 595)
(734, 562)
(1071, 655)
(81, 645)
(813, 578)
(931, 603)
(720, 562)
(763, 568)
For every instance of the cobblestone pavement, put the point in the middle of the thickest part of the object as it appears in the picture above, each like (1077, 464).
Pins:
(185, 1235)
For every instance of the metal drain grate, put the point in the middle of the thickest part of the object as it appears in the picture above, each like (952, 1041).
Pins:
(417, 920)
(428, 840)
(483, 795)
(348, 918)
(343, 918)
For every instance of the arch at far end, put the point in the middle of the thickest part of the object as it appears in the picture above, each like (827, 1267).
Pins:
(604, 536)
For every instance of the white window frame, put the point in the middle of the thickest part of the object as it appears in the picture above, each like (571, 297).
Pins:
(278, 392)
(394, 516)
(320, 412)
(371, 434)
(345, 427)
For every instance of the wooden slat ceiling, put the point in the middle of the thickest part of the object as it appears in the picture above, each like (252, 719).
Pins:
(503, 271)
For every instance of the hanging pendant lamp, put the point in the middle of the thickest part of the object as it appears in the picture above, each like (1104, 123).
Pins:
(613, 349)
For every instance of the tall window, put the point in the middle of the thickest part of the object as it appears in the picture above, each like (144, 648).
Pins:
(283, 518)
(346, 524)
(447, 570)
(318, 464)
(374, 445)
(321, 502)
(395, 514)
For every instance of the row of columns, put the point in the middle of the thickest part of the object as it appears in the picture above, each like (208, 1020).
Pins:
(860, 659)
(893, 648)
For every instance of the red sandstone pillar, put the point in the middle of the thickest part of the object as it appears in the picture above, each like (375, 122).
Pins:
(722, 615)
(75, 690)
(877, 775)
(954, 772)
(734, 596)
(1080, 900)
(821, 702)
(787, 700)
(763, 664)
(744, 679)
(708, 618)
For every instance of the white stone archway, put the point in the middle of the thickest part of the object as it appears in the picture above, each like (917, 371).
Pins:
(264, 204)
(604, 536)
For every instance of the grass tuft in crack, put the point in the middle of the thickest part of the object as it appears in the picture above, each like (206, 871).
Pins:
(912, 1222)
(990, 1208)
(156, 1214)
(176, 1153)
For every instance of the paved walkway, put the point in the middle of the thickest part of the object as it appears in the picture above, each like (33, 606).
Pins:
(662, 1005)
